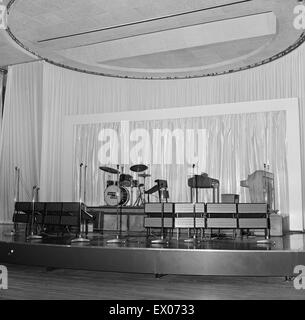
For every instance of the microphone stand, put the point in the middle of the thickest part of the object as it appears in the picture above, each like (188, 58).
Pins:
(85, 184)
(16, 199)
(37, 194)
(268, 187)
(32, 235)
(162, 240)
(194, 238)
(267, 239)
(79, 238)
(265, 184)
(117, 239)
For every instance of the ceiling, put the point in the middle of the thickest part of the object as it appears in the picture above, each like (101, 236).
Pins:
(148, 38)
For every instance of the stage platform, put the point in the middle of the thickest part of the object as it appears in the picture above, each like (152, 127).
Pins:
(222, 257)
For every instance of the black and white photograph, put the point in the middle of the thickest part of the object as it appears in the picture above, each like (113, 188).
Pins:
(152, 153)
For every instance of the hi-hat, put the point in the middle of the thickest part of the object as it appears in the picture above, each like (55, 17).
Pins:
(144, 175)
(138, 168)
(110, 170)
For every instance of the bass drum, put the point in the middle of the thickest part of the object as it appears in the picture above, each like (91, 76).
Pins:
(115, 195)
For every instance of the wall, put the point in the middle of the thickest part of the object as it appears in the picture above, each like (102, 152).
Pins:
(68, 93)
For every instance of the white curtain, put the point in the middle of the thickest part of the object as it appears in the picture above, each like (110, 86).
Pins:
(21, 135)
(69, 93)
(1, 99)
(227, 147)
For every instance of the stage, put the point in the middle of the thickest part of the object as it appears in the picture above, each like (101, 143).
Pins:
(218, 257)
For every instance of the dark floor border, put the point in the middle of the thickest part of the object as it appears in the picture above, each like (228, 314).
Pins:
(154, 261)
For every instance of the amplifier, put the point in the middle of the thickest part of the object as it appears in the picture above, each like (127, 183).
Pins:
(189, 208)
(189, 223)
(229, 198)
(69, 221)
(52, 220)
(229, 223)
(156, 207)
(253, 223)
(221, 208)
(252, 207)
(20, 217)
(157, 222)
(51, 213)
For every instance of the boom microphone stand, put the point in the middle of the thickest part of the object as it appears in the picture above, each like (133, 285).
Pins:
(79, 238)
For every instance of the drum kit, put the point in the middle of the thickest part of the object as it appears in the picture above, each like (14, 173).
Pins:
(120, 187)
(119, 191)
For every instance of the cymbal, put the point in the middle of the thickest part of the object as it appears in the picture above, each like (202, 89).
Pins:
(138, 168)
(110, 170)
(144, 175)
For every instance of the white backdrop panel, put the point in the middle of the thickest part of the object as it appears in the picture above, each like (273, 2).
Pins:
(226, 147)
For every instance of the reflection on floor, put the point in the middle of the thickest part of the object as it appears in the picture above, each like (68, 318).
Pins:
(289, 242)
(38, 283)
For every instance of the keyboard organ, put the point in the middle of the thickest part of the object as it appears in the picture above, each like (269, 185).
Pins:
(203, 181)
(261, 187)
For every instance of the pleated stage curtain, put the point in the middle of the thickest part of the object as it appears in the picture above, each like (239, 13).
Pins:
(21, 135)
(64, 92)
(1, 99)
(227, 147)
